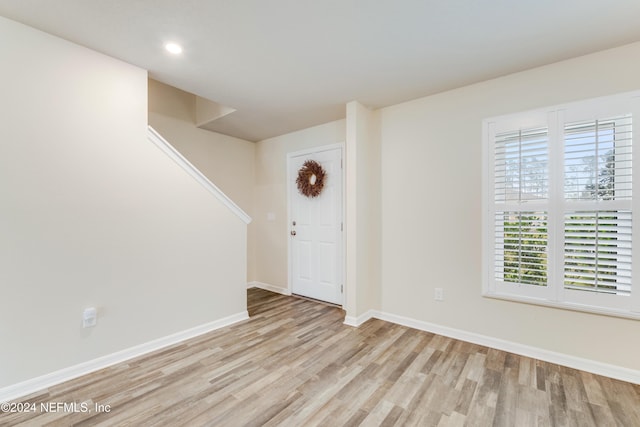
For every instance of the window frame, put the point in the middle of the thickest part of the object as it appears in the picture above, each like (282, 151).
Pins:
(555, 294)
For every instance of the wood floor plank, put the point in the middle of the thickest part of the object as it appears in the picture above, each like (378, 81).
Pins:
(294, 363)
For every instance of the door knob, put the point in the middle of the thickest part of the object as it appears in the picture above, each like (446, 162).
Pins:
(293, 232)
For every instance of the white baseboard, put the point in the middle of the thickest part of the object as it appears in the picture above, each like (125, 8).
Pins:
(357, 321)
(48, 380)
(268, 287)
(599, 368)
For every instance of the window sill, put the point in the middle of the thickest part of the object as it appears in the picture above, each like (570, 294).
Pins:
(583, 308)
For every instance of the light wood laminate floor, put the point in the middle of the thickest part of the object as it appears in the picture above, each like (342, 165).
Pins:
(294, 363)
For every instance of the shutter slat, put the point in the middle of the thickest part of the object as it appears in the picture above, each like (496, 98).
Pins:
(521, 165)
(520, 247)
(597, 251)
(597, 159)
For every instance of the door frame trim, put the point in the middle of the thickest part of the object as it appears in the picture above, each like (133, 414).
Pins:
(343, 269)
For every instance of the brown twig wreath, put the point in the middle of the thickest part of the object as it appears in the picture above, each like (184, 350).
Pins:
(310, 178)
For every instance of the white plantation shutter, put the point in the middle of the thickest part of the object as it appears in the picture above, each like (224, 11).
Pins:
(521, 247)
(597, 251)
(597, 159)
(598, 179)
(521, 159)
(521, 177)
(559, 192)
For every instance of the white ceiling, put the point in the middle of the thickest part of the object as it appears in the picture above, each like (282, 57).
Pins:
(290, 64)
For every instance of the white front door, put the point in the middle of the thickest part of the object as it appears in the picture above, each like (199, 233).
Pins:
(315, 229)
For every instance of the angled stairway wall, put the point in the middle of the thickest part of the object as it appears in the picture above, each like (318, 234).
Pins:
(227, 161)
(95, 215)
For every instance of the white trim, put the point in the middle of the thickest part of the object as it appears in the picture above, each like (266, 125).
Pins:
(315, 150)
(599, 368)
(170, 151)
(269, 287)
(358, 321)
(49, 380)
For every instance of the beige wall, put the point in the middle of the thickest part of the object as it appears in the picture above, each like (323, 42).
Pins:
(93, 214)
(431, 216)
(363, 211)
(271, 236)
(228, 162)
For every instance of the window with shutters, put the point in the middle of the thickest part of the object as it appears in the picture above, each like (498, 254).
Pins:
(559, 215)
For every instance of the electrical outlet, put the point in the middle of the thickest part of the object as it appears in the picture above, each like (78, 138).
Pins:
(89, 317)
(438, 294)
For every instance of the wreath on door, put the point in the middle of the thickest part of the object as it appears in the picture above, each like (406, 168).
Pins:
(310, 179)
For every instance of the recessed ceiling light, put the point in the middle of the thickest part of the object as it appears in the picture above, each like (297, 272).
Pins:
(174, 48)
